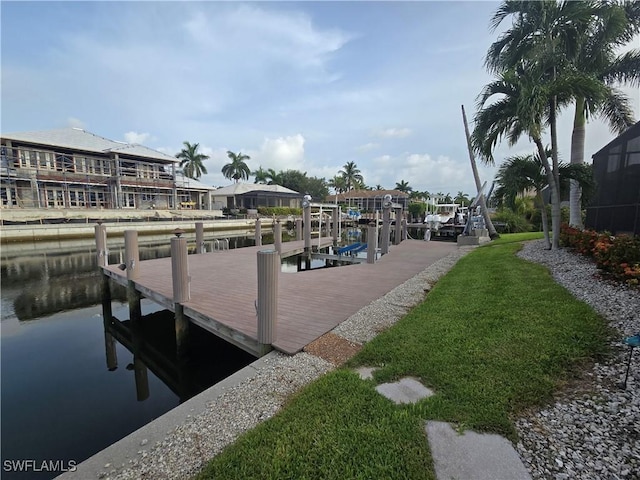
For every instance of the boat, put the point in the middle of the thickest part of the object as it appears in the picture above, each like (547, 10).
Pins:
(446, 219)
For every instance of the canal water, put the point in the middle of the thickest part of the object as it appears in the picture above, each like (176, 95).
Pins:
(65, 396)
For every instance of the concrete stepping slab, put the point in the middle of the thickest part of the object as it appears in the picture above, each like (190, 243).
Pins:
(472, 456)
(366, 373)
(406, 390)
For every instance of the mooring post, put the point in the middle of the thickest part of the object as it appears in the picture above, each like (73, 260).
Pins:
(132, 265)
(258, 233)
(102, 254)
(199, 237)
(181, 290)
(306, 211)
(397, 231)
(405, 232)
(277, 236)
(267, 305)
(386, 224)
(335, 219)
(139, 368)
(298, 229)
(372, 236)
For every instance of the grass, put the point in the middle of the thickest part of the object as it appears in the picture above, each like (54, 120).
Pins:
(515, 237)
(496, 335)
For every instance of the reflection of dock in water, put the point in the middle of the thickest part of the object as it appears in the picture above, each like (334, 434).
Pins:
(206, 361)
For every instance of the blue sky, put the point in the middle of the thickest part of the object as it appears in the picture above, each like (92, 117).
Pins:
(300, 85)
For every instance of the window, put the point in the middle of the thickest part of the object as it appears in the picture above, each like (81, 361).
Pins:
(76, 198)
(129, 200)
(55, 197)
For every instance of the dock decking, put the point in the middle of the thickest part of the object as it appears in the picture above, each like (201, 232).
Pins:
(310, 303)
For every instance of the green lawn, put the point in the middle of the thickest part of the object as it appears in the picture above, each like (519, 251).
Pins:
(494, 336)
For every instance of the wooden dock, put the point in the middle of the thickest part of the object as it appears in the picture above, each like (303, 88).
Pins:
(310, 303)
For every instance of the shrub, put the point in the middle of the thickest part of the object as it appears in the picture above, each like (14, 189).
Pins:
(513, 223)
(278, 211)
(618, 257)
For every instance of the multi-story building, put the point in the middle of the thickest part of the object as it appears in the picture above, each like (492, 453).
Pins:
(73, 168)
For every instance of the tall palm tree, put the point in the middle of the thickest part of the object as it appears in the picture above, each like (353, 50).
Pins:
(351, 174)
(237, 169)
(260, 175)
(192, 161)
(379, 187)
(462, 198)
(543, 39)
(403, 187)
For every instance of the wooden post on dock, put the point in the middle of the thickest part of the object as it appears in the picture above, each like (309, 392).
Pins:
(102, 254)
(277, 236)
(336, 227)
(131, 265)
(258, 233)
(199, 237)
(307, 224)
(397, 231)
(298, 229)
(267, 305)
(405, 232)
(386, 224)
(371, 242)
(181, 288)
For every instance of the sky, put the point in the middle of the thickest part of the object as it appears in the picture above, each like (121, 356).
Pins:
(295, 85)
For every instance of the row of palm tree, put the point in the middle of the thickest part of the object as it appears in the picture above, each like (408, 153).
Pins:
(556, 54)
(192, 163)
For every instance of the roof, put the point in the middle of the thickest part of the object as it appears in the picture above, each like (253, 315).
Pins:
(241, 188)
(369, 194)
(79, 139)
(630, 132)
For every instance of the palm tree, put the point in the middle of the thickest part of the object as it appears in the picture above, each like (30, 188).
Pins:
(237, 169)
(338, 184)
(191, 161)
(538, 48)
(261, 175)
(379, 187)
(351, 175)
(519, 174)
(613, 26)
(275, 178)
(462, 199)
(403, 187)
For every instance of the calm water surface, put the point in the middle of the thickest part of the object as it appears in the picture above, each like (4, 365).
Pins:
(62, 398)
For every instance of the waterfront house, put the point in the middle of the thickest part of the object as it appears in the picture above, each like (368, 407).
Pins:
(254, 195)
(73, 168)
(616, 169)
(370, 200)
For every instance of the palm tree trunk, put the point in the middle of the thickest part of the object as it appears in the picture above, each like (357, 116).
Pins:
(552, 186)
(555, 186)
(577, 158)
(483, 204)
(545, 221)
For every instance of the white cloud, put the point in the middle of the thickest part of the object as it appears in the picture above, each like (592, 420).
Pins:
(393, 133)
(367, 147)
(135, 137)
(282, 153)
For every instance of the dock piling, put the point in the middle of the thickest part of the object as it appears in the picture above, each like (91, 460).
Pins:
(335, 224)
(398, 226)
(131, 265)
(267, 304)
(371, 244)
(181, 290)
(200, 237)
(298, 229)
(277, 236)
(258, 233)
(102, 253)
(386, 224)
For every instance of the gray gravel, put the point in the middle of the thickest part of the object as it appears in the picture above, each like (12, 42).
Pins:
(590, 435)
(593, 433)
